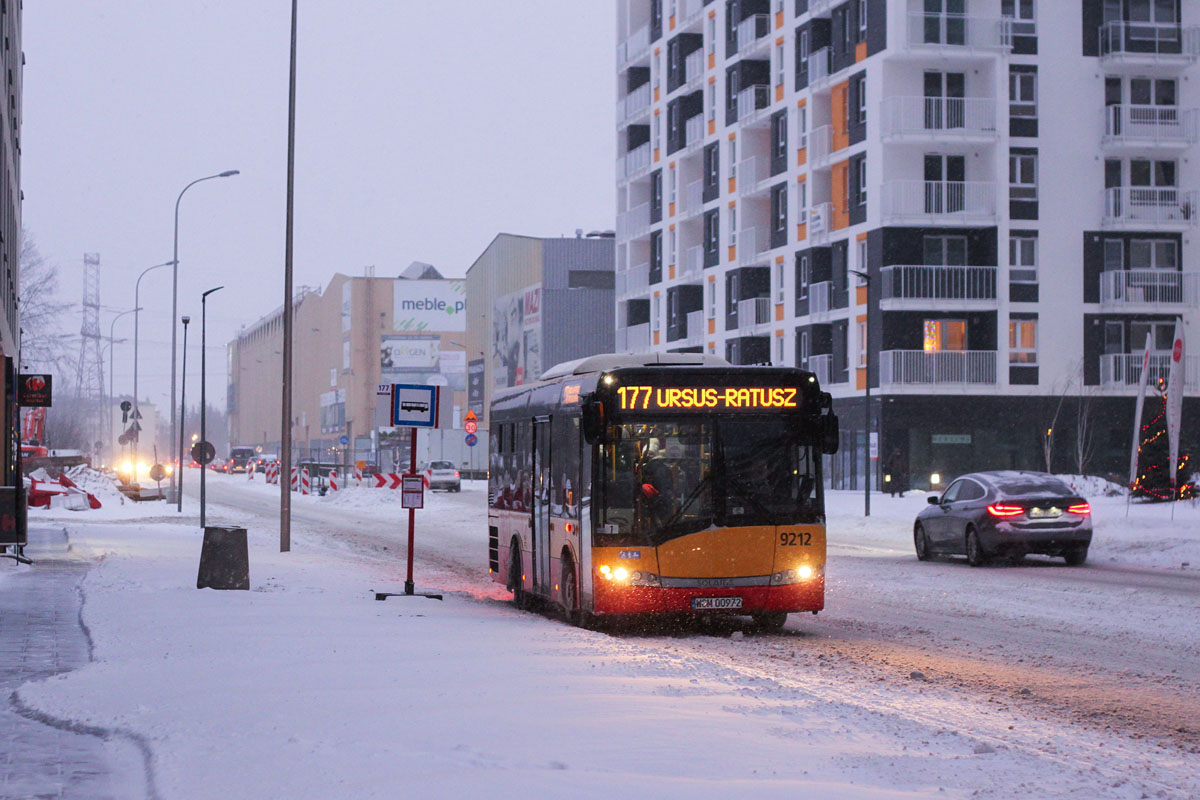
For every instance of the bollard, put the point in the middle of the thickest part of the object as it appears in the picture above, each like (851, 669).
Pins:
(224, 559)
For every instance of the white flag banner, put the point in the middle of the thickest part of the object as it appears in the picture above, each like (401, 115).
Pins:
(1175, 381)
(1137, 414)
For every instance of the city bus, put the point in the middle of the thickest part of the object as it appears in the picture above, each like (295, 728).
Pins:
(661, 484)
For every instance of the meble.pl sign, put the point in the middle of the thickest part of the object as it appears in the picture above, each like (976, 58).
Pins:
(429, 305)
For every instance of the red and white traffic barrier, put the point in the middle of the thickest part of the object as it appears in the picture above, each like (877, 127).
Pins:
(305, 484)
(250, 471)
(295, 479)
(272, 474)
(333, 481)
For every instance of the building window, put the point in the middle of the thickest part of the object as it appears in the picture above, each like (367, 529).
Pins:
(862, 20)
(672, 185)
(655, 312)
(733, 227)
(1022, 341)
(802, 351)
(945, 334)
(802, 127)
(712, 299)
(1022, 93)
(862, 100)
(712, 36)
(712, 101)
(1022, 176)
(778, 350)
(1152, 254)
(657, 129)
(779, 201)
(862, 181)
(779, 65)
(733, 158)
(801, 201)
(1022, 259)
(1151, 173)
(1114, 254)
(862, 344)
(779, 282)
(803, 50)
(1161, 12)
(861, 253)
(802, 278)
(1021, 13)
(671, 247)
(780, 123)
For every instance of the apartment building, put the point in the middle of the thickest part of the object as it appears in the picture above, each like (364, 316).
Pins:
(977, 208)
(12, 63)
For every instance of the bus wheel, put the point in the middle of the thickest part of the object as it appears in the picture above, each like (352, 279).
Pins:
(772, 621)
(520, 599)
(570, 591)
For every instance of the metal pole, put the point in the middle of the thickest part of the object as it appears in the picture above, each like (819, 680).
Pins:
(285, 494)
(137, 287)
(203, 381)
(412, 512)
(867, 399)
(182, 417)
(174, 313)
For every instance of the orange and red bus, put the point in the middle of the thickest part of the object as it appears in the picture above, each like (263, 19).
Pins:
(661, 484)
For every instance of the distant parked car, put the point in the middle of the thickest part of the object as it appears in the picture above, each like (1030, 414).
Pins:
(1010, 513)
(443, 475)
(264, 461)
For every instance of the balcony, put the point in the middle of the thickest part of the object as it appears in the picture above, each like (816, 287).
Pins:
(1142, 44)
(634, 46)
(754, 176)
(689, 13)
(939, 118)
(955, 33)
(1125, 369)
(819, 299)
(941, 202)
(818, 68)
(752, 34)
(751, 244)
(633, 104)
(634, 339)
(754, 315)
(920, 286)
(1138, 206)
(820, 366)
(820, 222)
(821, 8)
(693, 70)
(635, 163)
(966, 368)
(633, 223)
(693, 264)
(819, 147)
(693, 130)
(1138, 127)
(752, 105)
(633, 281)
(695, 329)
(693, 199)
(1149, 289)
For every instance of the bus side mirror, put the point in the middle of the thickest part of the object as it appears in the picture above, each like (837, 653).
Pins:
(829, 433)
(593, 421)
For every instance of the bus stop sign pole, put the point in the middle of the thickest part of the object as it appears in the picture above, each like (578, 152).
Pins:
(412, 512)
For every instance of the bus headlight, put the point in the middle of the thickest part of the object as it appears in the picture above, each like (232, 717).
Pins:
(639, 578)
(635, 578)
(787, 576)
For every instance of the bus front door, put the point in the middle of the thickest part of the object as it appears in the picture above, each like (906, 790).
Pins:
(541, 504)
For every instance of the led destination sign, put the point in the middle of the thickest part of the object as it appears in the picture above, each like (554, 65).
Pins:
(701, 398)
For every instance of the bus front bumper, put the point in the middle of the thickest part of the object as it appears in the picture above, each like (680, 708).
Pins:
(617, 598)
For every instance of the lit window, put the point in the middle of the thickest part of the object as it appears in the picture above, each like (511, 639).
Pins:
(1022, 341)
(945, 334)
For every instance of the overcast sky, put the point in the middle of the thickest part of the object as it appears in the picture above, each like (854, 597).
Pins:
(423, 129)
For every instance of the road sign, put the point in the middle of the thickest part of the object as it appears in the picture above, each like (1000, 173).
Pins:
(136, 414)
(136, 426)
(414, 405)
(472, 440)
(471, 426)
(343, 440)
(126, 405)
(203, 452)
(412, 495)
(470, 417)
(157, 473)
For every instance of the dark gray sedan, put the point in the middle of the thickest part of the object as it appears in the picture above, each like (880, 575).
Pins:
(1005, 513)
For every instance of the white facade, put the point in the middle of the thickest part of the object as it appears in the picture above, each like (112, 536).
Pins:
(1015, 177)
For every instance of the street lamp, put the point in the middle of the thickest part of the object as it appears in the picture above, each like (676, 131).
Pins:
(867, 405)
(175, 300)
(203, 400)
(110, 369)
(182, 408)
(137, 302)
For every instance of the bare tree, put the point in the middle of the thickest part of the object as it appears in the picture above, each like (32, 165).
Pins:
(44, 344)
(1051, 411)
(1085, 429)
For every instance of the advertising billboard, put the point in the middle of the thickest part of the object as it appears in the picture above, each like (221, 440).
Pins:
(421, 306)
(517, 337)
(420, 359)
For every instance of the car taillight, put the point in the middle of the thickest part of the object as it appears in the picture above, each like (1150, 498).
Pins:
(456, 473)
(1000, 510)
(1080, 508)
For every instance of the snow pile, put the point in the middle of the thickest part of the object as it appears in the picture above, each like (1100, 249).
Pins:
(96, 483)
(1093, 485)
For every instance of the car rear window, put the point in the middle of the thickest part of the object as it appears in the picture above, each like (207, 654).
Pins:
(1028, 487)
(441, 465)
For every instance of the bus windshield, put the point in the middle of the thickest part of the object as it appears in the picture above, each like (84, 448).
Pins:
(662, 480)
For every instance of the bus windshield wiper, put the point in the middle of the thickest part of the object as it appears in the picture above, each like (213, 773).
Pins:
(691, 498)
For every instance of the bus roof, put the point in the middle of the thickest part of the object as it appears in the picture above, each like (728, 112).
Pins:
(610, 361)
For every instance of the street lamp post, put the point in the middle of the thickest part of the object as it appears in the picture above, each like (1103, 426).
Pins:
(175, 305)
(182, 418)
(110, 376)
(137, 302)
(867, 404)
(203, 399)
(285, 493)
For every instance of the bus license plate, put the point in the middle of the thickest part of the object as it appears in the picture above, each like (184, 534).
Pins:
(708, 603)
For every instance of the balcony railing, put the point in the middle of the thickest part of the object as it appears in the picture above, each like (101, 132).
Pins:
(819, 148)
(1149, 125)
(689, 12)
(693, 263)
(818, 299)
(750, 30)
(959, 31)
(693, 66)
(635, 161)
(753, 175)
(818, 66)
(1150, 287)
(921, 367)
(693, 130)
(1157, 205)
(632, 103)
(820, 366)
(751, 101)
(751, 244)
(1144, 42)
(634, 339)
(634, 45)
(941, 283)
(695, 329)
(693, 198)
(946, 200)
(939, 116)
(1125, 369)
(753, 312)
(635, 280)
(633, 222)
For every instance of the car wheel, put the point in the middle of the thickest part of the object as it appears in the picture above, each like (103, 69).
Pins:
(1076, 556)
(921, 542)
(771, 621)
(1016, 558)
(975, 555)
(520, 599)
(569, 595)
